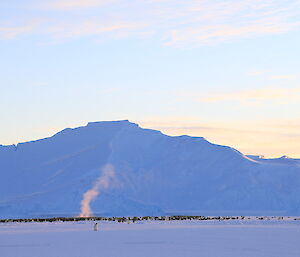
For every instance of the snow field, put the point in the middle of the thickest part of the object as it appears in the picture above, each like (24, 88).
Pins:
(248, 238)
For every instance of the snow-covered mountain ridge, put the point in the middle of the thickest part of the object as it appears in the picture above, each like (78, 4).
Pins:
(150, 174)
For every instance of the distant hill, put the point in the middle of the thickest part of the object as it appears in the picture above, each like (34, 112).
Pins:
(120, 169)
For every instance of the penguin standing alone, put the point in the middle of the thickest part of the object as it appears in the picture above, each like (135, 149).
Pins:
(96, 227)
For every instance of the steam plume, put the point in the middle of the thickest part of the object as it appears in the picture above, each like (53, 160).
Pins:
(102, 182)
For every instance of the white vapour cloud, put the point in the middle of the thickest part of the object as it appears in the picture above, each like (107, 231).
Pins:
(103, 182)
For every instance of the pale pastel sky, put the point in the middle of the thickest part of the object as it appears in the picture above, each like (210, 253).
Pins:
(225, 70)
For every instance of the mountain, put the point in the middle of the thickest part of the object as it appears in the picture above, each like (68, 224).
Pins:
(285, 160)
(117, 168)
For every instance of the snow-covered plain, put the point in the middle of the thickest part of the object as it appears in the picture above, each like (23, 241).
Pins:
(242, 238)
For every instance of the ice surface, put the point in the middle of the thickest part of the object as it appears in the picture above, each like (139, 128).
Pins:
(149, 239)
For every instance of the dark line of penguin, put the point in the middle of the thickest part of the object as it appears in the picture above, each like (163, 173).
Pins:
(144, 218)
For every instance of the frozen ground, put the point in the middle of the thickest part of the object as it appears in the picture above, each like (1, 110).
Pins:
(144, 239)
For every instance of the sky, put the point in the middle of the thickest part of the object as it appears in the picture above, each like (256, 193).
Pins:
(224, 70)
